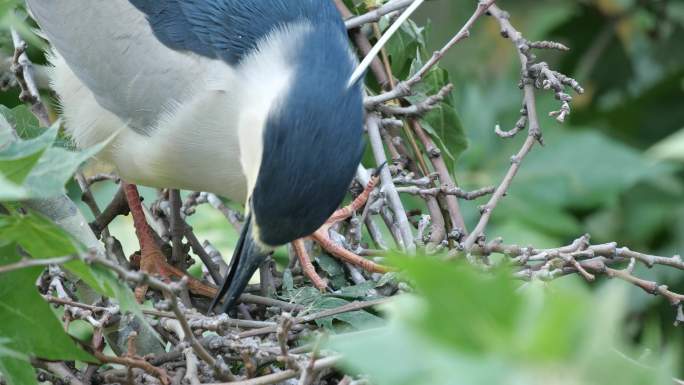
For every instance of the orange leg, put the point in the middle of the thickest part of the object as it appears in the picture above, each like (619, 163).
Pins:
(308, 267)
(322, 236)
(152, 260)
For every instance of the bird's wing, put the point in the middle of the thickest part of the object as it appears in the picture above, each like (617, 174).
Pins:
(111, 48)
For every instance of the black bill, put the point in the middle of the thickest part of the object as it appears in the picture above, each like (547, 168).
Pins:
(247, 258)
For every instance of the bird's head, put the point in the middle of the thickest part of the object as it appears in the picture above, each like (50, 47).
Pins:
(301, 140)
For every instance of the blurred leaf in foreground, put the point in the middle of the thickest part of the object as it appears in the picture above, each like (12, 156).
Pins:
(465, 327)
(670, 148)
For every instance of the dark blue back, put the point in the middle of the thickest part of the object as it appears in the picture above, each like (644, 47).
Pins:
(228, 29)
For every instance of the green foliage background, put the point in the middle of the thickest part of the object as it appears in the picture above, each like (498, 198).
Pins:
(615, 168)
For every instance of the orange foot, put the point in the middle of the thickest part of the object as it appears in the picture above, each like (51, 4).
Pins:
(322, 237)
(152, 261)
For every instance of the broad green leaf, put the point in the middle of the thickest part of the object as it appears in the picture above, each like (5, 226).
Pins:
(358, 320)
(10, 191)
(401, 355)
(333, 268)
(443, 122)
(315, 301)
(670, 148)
(531, 336)
(452, 290)
(38, 236)
(356, 291)
(27, 319)
(23, 121)
(55, 168)
(547, 219)
(402, 47)
(15, 366)
(18, 158)
(515, 231)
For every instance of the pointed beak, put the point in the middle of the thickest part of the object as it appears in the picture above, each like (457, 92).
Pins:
(247, 258)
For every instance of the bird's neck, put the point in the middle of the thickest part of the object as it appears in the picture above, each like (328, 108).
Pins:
(289, 63)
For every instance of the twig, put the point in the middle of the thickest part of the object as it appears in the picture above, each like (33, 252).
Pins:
(447, 182)
(191, 374)
(60, 370)
(282, 335)
(534, 131)
(455, 191)
(221, 370)
(134, 363)
(27, 262)
(117, 206)
(170, 291)
(418, 109)
(500, 191)
(376, 14)
(404, 88)
(387, 185)
(275, 378)
(23, 70)
(177, 228)
(309, 373)
(265, 301)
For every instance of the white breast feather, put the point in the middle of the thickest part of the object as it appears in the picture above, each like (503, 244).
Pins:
(207, 136)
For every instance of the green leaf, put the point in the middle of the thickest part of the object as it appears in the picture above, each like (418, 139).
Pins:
(402, 47)
(333, 268)
(40, 238)
(670, 148)
(15, 366)
(467, 327)
(356, 291)
(358, 320)
(443, 122)
(28, 319)
(17, 158)
(55, 168)
(387, 278)
(10, 191)
(23, 121)
(490, 319)
(34, 168)
(37, 235)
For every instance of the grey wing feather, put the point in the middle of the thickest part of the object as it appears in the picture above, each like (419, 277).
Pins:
(110, 47)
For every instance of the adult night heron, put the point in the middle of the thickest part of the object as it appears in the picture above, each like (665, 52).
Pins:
(249, 99)
(255, 100)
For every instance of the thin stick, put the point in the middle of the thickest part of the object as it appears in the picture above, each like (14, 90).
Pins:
(375, 15)
(361, 69)
(404, 88)
(279, 377)
(387, 184)
(25, 263)
(23, 70)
